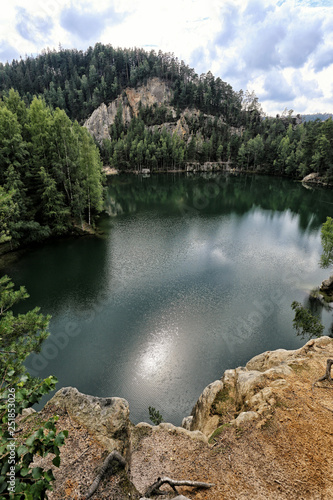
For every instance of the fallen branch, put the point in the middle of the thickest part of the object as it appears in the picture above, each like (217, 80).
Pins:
(113, 456)
(154, 489)
(328, 377)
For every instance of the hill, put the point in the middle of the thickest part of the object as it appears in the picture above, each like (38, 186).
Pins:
(79, 82)
(145, 111)
(317, 116)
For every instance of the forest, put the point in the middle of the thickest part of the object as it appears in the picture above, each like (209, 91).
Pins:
(50, 175)
(51, 168)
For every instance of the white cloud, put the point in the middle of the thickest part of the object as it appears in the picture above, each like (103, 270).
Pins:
(282, 46)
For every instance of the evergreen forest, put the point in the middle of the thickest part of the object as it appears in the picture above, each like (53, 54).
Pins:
(50, 172)
(51, 167)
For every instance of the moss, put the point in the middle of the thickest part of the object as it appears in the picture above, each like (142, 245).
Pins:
(217, 432)
(222, 402)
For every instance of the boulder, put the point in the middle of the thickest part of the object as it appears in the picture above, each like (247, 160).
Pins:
(246, 416)
(107, 419)
(268, 359)
(203, 419)
(28, 411)
(313, 177)
(327, 286)
(187, 422)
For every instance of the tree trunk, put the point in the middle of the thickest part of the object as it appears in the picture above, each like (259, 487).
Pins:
(327, 375)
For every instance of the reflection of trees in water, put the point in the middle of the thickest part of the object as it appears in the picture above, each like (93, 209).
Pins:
(213, 193)
(316, 304)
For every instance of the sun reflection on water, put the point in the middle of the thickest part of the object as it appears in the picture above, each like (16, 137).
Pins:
(155, 355)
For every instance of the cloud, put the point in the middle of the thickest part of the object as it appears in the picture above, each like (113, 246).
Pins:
(86, 23)
(229, 29)
(305, 87)
(197, 60)
(262, 50)
(258, 44)
(7, 52)
(33, 28)
(300, 42)
(323, 59)
(257, 11)
(277, 88)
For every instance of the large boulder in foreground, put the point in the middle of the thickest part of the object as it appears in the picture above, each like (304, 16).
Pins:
(246, 393)
(107, 419)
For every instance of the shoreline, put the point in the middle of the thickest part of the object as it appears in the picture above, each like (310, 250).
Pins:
(8, 254)
(265, 412)
(306, 181)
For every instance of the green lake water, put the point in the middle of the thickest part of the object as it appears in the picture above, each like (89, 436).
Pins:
(194, 275)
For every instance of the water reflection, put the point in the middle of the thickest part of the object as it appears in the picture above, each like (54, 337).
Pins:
(155, 355)
(217, 194)
(175, 294)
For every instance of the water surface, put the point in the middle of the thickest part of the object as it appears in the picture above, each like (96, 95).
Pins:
(193, 276)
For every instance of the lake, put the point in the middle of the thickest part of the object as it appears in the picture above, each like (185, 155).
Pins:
(193, 275)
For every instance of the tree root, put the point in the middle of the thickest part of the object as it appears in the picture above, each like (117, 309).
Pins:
(154, 489)
(112, 456)
(327, 375)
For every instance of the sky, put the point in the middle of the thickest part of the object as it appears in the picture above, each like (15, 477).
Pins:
(280, 49)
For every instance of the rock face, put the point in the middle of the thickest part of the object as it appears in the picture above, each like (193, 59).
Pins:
(154, 92)
(107, 419)
(327, 287)
(203, 418)
(248, 391)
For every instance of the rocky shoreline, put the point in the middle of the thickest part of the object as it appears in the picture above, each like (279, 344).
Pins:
(244, 403)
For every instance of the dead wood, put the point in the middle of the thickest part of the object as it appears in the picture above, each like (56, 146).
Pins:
(154, 489)
(327, 375)
(114, 455)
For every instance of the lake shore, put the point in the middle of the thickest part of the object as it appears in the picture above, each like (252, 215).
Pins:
(288, 424)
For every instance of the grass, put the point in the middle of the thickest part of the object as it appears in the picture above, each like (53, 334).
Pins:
(217, 432)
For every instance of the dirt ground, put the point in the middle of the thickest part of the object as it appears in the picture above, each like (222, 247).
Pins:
(286, 454)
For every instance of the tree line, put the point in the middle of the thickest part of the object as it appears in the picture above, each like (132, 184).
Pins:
(50, 172)
(78, 82)
(227, 126)
(275, 146)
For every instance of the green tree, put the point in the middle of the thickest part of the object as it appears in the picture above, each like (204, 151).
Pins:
(326, 259)
(305, 323)
(155, 415)
(54, 211)
(91, 171)
(12, 146)
(19, 336)
(7, 209)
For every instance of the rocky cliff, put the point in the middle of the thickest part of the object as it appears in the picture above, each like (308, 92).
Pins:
(263, 431)
(155, 92)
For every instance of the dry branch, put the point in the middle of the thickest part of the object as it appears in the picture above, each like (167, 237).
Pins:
(327, 375)
(154, 489)
(113, 456)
